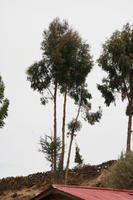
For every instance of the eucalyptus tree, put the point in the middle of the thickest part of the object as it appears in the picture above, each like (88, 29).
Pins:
(76, 64)
(4, 103)
(65, 64)
(65, 57)
(116, 60)
(82, 99)
(44, 75)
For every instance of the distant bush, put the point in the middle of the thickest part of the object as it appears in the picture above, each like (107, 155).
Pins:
(120, 174)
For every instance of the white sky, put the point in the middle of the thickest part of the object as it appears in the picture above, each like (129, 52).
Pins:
(22, 23)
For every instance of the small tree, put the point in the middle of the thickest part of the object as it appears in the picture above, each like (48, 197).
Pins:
(120, 174)
(47, 148)
(4, 103)
(78, 156)
(117, 61)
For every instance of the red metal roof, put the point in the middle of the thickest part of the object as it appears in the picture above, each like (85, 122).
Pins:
(88, 193)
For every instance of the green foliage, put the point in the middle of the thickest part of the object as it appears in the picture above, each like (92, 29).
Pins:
(82, 96)
(81, 91)
(3, 112)
(78, 157)
(93, 117)
(74, 126)
(106, 93)
(68, 54)
(39, 76)
(117, 61)
(47, 148)
(120, 175)
(4, 103)
(1, 90)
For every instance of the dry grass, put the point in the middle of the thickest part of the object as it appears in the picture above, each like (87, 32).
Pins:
(24, 194)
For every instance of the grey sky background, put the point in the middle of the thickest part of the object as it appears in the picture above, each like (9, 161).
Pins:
(22, 23)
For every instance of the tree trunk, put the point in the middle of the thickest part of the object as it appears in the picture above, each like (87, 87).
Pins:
(129, 131)
(68, 159)
(52, 172)
(70, 145)
(63, 130)
(55, 129)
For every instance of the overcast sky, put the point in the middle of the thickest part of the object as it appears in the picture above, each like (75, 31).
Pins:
(22, 23)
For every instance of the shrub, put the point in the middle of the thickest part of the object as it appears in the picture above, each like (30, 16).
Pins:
(120, 174)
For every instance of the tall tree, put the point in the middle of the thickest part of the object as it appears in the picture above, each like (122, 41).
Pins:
(117, 61)
(76, 63)
(81, 98)
(4, 103)
(44, 75)
(65, 64)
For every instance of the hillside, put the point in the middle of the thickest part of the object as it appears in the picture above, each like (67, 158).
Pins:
(23, 188)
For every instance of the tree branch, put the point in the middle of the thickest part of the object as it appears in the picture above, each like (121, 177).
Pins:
(50, 93)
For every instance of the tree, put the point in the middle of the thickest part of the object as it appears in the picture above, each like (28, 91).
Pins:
(82, 98)
(117, 61)
(120, 174)
(44, 75)
(47, 148)
(78, 156)
(4, 103)
(77, 63)
(65, 63)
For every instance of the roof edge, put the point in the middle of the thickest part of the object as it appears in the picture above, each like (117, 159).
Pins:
(88, 187)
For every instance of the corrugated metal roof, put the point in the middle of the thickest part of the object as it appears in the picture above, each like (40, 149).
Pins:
(88, 193)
